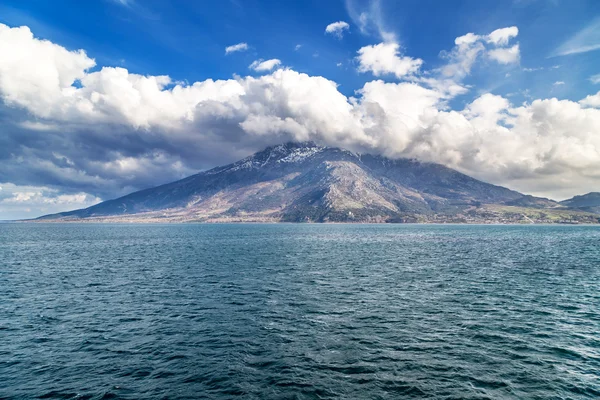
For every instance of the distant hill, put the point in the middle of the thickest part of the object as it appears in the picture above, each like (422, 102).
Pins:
(586, 202)
(304, 182)
(533, 202)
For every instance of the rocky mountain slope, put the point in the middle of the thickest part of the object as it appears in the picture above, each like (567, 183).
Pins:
(309, 183)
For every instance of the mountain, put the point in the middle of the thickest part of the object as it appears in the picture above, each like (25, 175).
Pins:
(586, 202)
(304, 182)
(533, 202)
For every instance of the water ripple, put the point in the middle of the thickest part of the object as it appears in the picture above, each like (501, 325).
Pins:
(299, 311)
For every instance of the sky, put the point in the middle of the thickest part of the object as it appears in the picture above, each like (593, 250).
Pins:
(104, 97)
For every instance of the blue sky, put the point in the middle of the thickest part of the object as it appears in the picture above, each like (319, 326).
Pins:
(186, 39)
(505, 91)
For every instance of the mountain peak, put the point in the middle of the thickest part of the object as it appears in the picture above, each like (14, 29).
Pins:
(292, 151)
(308, 182)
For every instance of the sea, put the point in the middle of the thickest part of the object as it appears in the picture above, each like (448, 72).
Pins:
(299, 311)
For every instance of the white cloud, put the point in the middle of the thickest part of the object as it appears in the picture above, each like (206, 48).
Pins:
(23, 201)
(268, 65)
(118, 131)
(595, 79)
(592, 100)
(558, 83)
(462, 57)
(501, 37)
(397, 109)
(38, 74)
(587, 39)
(468, 48)
(505, 55)
(337, 28)
(297, 47)
(236, 47)
(385, 58)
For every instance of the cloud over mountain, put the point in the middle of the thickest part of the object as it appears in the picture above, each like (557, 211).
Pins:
(71, 126)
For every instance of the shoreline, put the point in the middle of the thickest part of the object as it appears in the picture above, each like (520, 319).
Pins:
(241, 222)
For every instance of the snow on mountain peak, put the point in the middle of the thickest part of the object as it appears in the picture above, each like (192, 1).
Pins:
(300, 154)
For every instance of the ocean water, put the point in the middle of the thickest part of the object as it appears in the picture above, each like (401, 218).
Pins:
(299, 311)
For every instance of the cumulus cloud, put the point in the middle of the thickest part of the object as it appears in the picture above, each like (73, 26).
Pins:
(507, 55)
(385, 58)
(268, 65)
(337, 29)
(107, 131)
(592, 100)
(236, 47)
(501, 37)
(35, 73)
(595, 79)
